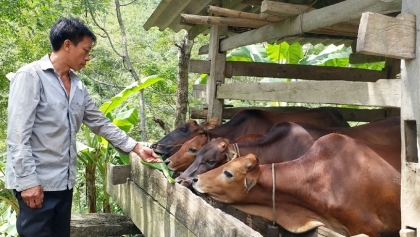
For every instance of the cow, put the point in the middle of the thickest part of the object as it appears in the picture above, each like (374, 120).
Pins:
(287, 141)
(185, 156)
(243, 122)
(344, 184)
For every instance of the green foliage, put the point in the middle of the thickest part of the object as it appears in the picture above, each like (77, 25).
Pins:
(8, 205)
(250, 53)
(117, 100)
(285, 53)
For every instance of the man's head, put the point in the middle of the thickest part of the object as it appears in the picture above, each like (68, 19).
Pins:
(74, 40)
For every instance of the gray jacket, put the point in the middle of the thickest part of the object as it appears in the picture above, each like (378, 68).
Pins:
(42, 127)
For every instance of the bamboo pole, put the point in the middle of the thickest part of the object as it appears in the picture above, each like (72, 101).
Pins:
(240, 14)
(211, 20)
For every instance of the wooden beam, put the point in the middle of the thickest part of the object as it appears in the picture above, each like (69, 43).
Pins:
(198, 29)
(357, 58)
(270, 18)
(317, 73)
(349, 114)
(306, 22)
(410, 136)
(284, 9)
(213, 20)
(387, 36)
(383, 93)
(252, 2)
(203, 50)
(217, 73)
(220, 11)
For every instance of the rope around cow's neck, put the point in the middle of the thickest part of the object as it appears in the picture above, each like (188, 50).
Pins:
(235, 146)
(274, 193)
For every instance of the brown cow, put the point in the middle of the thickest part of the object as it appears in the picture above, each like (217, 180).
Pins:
(287, 141)
(185, 156)
(341, 183)
(244, 122)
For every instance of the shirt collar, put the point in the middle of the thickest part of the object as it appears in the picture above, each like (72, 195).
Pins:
(45, 64)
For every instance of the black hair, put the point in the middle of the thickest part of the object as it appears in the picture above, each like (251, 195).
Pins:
(69, 28)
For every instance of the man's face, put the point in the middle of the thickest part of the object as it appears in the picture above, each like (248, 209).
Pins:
(78, 55)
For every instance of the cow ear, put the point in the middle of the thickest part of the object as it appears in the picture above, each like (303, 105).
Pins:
(249, 183)
(212, 123)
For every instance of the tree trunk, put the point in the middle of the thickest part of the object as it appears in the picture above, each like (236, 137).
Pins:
(91, 188)
(184, 54)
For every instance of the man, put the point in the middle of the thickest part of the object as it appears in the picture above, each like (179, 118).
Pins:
(47, 105)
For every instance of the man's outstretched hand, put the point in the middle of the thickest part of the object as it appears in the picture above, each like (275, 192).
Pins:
(146, 154)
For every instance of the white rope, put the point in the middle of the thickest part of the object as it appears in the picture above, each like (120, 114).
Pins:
(235, 146)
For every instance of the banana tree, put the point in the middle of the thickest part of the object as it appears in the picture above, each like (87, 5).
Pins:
(95, 152)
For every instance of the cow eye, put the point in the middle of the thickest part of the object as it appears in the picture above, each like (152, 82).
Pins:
(210, 162)
(228, 174)
(192, 150)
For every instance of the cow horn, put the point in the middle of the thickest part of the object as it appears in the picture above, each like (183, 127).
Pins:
(248, 165)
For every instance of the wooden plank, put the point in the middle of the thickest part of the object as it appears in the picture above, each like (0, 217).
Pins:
(270, 18)
(310, 72)
(217, 72)
(199, 91)
(410, 116)
(252, 2)
(119, 173)
(358, 58)
(319, 18)
(387, 36)
(284, 9)
(349, 114)
(161, 209)
(384, 92)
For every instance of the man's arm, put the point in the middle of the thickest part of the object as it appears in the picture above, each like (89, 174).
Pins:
(96, 121)
(24, 97)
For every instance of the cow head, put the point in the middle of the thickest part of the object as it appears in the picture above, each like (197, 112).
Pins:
(230, 182)
(185, 156)
(212, 155)
(171, 143)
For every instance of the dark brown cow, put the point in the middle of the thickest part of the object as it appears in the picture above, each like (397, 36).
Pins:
(287, 141)
(244, 122)
(185, 156)
(341, 183)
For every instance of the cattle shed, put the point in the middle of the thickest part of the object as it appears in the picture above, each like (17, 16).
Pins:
(377, 30)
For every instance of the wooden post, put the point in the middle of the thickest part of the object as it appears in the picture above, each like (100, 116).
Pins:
(410, 125)
(217, 72)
